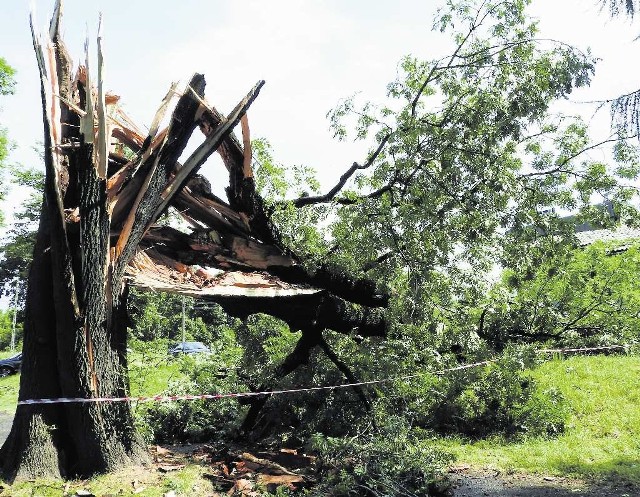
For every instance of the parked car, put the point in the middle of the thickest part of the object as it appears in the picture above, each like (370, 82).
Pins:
(189, 348)
(11, 365)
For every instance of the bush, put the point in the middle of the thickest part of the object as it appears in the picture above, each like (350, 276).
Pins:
(197, 421)
(587, 297)
(498, 399)
(389, 461)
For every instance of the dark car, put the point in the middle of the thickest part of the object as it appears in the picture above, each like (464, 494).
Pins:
(189, 348)
(11, 365)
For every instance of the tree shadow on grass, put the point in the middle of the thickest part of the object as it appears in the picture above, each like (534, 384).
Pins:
(490, 483)
(620, 470)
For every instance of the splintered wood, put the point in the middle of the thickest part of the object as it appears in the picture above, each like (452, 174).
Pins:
(242, 473)
(152, 271)
(229, 249)
(221, 255)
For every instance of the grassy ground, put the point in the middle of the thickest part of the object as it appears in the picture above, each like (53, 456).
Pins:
(600, 441)
(141, 482)
(9, 393)
(9, 388)
(601, 438)
(151, 373)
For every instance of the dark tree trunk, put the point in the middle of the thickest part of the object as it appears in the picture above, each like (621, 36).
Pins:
(31, 448)
(64, 440)
(73, 347)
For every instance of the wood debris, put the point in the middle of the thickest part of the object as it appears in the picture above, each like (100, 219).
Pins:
(244, 473)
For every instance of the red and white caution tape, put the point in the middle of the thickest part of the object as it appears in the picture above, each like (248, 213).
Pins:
(172, 398)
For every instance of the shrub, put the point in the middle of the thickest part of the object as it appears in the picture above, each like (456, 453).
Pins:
(498, 399)
(389, 460)
(196, 421)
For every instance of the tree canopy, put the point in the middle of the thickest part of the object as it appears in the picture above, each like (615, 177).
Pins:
(469, 167)
(7, 86)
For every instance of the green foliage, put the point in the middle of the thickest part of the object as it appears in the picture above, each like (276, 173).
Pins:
(498, 399)
(469, 169)
(601, 433)
(387, 461)
(16, 248)
(194, 421)
(266, 341)
(7, 81)
(298, 227)
(6, 327)
(7, 85)
(587, 296)
(159, 316)
(452, 171)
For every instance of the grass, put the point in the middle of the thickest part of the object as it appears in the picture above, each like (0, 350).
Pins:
(601, 439)
(9, 393)
(138, 481)
(9, 387)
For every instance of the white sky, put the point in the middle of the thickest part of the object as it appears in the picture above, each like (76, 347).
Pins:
(310, 53)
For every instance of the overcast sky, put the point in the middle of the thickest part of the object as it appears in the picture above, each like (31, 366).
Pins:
(311, 54)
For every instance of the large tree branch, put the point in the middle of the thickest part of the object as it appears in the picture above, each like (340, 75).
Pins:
(344, 369)
(202, 153)
(329, 196)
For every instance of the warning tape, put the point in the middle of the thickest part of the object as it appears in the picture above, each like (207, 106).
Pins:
(172, 398)
(586, 349)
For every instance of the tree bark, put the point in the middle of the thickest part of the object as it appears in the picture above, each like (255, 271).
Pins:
(74, 325)
(67, 440)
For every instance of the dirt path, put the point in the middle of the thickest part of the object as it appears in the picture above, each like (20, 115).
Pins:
(6, 419)
(477, 483)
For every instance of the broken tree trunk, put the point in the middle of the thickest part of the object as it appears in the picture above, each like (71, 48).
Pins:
(75, 330)
(106, 186)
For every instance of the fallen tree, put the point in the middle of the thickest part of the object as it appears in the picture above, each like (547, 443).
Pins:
(107, 185)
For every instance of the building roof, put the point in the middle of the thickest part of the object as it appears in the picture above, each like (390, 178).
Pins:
(623, 235)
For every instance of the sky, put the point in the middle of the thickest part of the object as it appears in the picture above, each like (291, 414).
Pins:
(311, 53)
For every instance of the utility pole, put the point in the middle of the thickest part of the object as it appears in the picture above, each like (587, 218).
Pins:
(184, 337)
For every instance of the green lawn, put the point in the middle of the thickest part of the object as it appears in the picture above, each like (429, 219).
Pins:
(9, 393)
(601, 440)
(150, 373)
(602, 434)
(9, 387)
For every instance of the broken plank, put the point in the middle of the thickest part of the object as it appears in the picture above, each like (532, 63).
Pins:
(102, 146)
